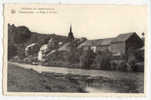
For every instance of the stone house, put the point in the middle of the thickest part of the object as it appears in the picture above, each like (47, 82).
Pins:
(123, 43)
(118, 45)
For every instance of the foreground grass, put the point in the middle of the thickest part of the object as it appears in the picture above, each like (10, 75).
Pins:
(25, 80)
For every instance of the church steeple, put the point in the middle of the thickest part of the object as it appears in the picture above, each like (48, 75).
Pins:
(70, 28)
(70, 35)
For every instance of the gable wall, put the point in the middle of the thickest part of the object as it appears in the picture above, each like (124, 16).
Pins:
(134, 42)
(102, 48)
(118, 47)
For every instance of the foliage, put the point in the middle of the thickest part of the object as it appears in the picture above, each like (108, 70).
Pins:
(20, 37)
(87, 58)
(74, 56)
(102, 59)
(22, 34)
(21, 51)
(12, 51)
(52, 44)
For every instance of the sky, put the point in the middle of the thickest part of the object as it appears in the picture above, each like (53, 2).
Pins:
(90, 21)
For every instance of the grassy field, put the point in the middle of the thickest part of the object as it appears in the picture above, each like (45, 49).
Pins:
(27, 80)
(23, 80)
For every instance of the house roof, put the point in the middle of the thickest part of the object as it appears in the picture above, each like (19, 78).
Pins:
(65, 47)
(31, 45)
(86, 43)
(58, 38)
(44, 47)
(123, 37)
(53, 51)
(103, 42)
(107, 41)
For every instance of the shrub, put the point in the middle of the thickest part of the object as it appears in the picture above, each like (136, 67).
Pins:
(87, 58)
(22, 34)
(102, 60)
(73, 56)
(131, 63)
(12, 51)
(118, 65)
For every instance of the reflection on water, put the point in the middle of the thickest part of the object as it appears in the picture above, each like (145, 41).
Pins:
(93, 86)
(96, 90)
(105, 85)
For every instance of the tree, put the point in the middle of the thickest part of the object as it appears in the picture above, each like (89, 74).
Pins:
(12, 51)
(87, 58)
(102, 59)
(22, 34)
(21, 51)
(74, 56)
(52, 44)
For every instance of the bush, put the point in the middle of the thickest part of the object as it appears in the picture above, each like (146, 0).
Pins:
(118, 65)
(131, 63)
(102, 60)
(87, 58)
(73, 56)
(21, 51)
(22, 34)
(12, 51)
(139, 67)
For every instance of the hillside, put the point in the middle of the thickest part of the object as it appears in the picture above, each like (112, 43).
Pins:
(21, 36)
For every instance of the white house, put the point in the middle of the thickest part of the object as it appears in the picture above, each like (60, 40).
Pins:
(42, 52)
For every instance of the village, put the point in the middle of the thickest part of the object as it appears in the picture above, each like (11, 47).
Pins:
(57, 63)
(124, 52)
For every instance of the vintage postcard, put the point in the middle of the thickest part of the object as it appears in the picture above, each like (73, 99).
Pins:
(74, 50)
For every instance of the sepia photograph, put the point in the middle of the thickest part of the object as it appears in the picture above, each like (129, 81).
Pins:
(52, 48)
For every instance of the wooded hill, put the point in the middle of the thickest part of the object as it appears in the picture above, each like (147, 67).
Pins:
(21, 36)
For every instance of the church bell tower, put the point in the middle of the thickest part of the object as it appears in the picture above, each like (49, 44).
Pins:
(70, 34)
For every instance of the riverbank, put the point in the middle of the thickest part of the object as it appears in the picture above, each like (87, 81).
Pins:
(28, 80)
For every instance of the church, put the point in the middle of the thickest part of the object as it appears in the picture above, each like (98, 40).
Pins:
(70, 34)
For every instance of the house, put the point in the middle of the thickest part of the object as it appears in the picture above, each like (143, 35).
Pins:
(42, 52)
(31, 49)
(103, 44)
(124, 43)
(66, 47)
(96, 45)
(86, 45)
(60, 39)
(121, 44)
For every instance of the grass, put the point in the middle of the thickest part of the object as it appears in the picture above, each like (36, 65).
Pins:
(25, 80)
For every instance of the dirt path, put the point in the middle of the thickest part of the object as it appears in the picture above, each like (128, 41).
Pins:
(109, 74)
